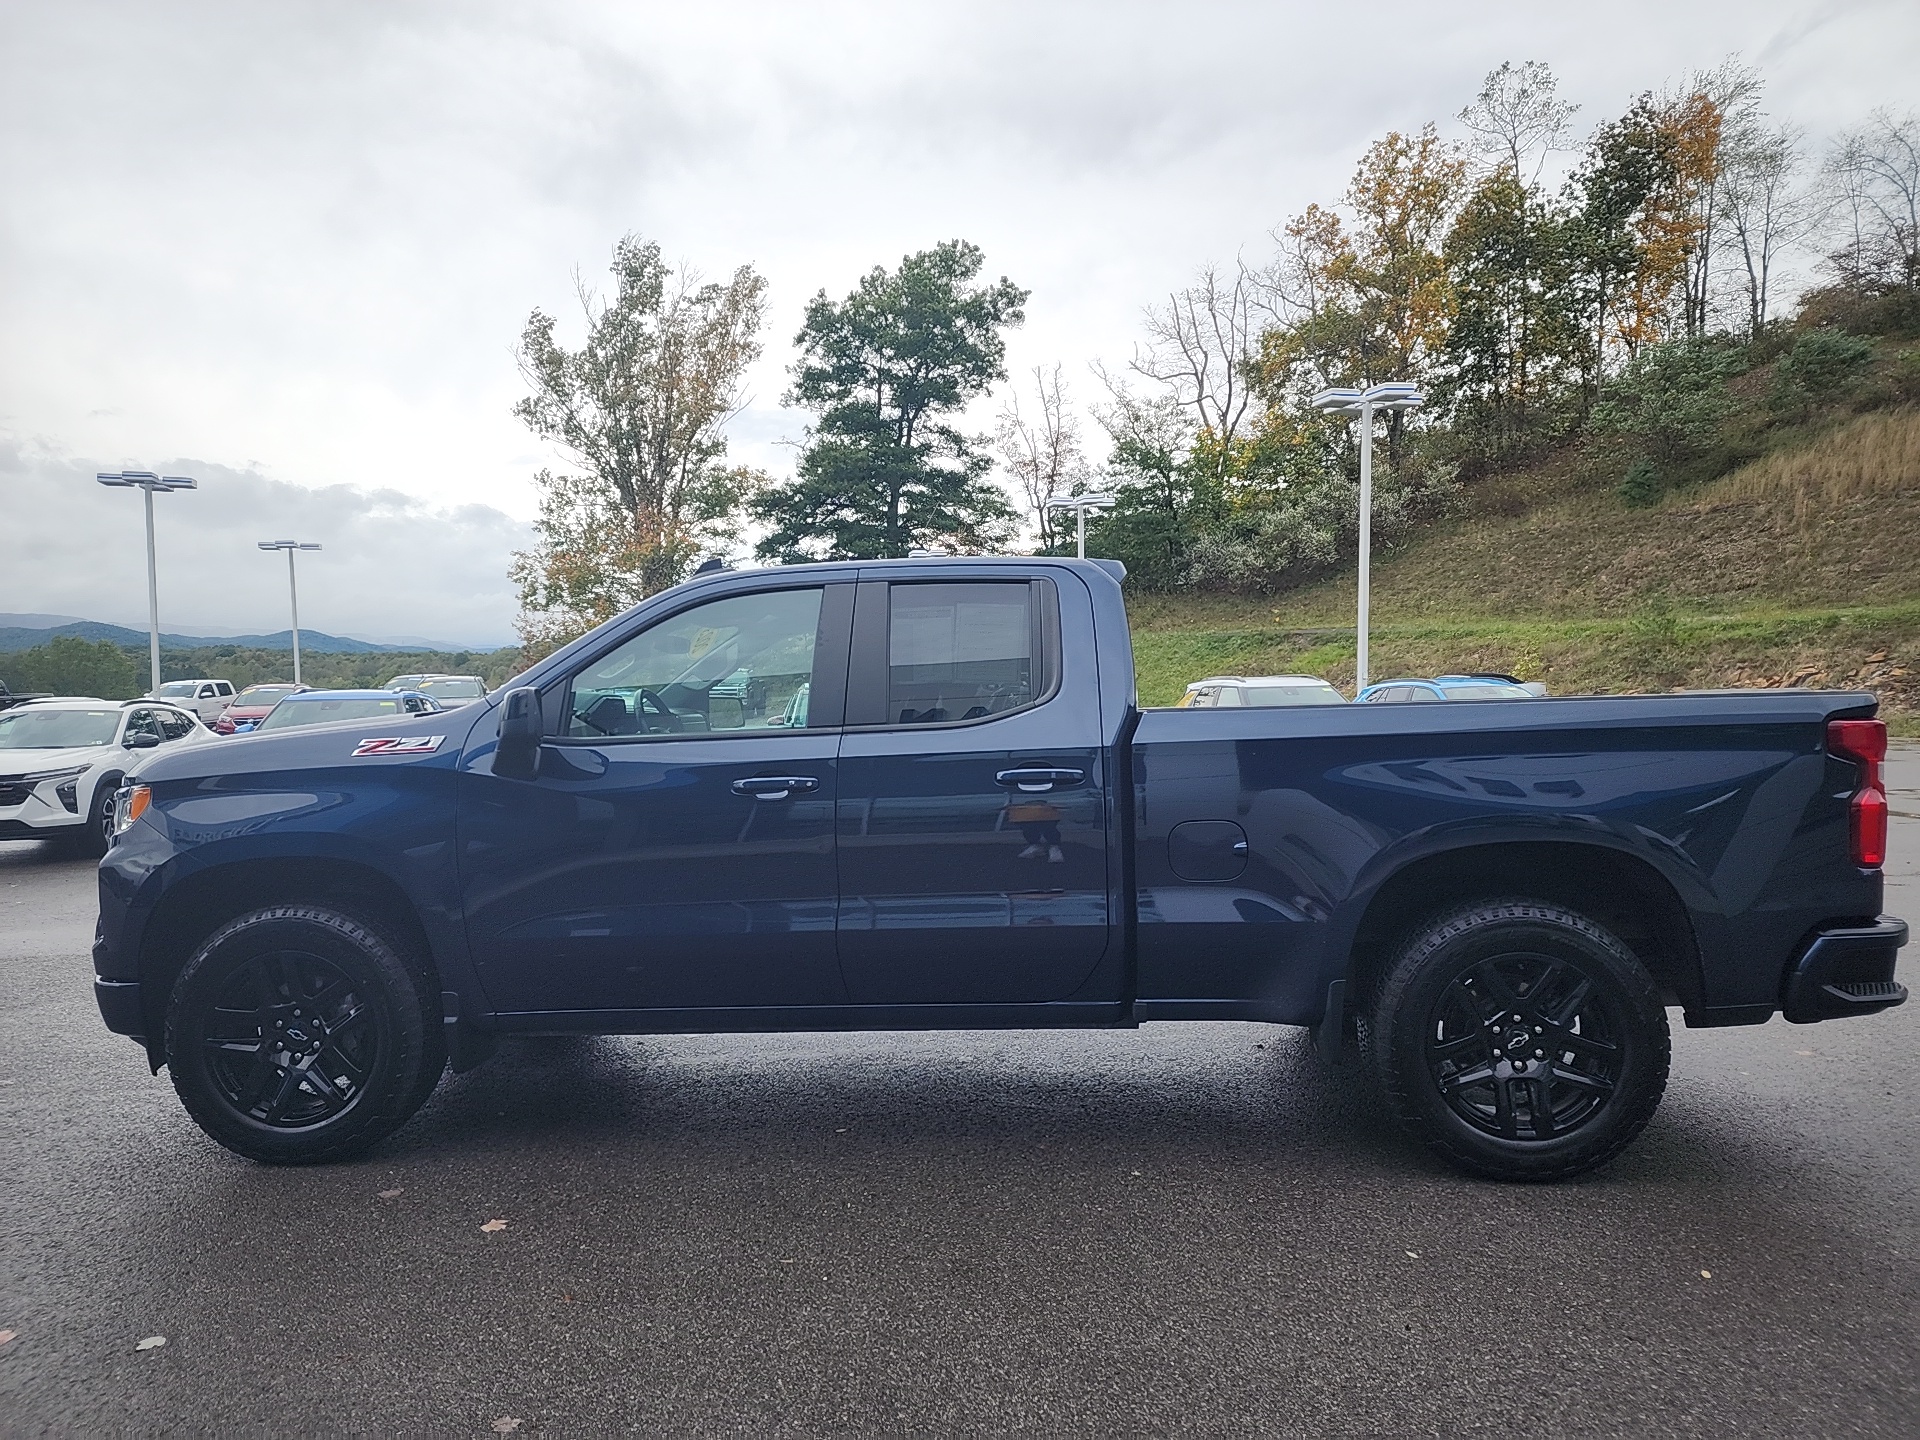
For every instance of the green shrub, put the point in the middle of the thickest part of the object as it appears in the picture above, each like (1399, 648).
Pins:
(1821, 367)
(1641, 486)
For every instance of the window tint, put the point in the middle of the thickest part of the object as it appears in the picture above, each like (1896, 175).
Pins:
(174, 725)
(1202, 699)
(144, 722)
(1420, 692)
(959, 652)
(738, 664)
(1229, 695)
(1486, 692)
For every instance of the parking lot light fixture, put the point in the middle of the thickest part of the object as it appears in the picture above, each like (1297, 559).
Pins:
(149, 482)
(293, 590)
(1080, 505)
(1393, 395)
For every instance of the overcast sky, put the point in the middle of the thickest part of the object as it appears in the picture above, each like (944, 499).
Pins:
(287, 247)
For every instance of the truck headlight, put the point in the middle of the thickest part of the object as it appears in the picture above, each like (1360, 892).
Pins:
(129, 804)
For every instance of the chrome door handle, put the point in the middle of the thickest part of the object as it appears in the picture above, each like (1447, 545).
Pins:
(1036, 778)
(775, 787)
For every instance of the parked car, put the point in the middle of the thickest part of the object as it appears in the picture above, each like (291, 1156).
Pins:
(328, 707)
(206, 698)
(11, 698)
(1448, 687)
(1231, 691)
(62, 760)
(251, 705)
(975, 826)
(451, 691)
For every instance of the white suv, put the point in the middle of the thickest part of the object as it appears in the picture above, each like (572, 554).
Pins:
(62, 760)
(206, 698)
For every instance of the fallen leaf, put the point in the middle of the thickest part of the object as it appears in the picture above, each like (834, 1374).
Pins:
(1413, 1254)
(7, 1337)
(505, 1425)
(390, 1194)
(492, 1225)
(1706, 1274)
(152, 1342)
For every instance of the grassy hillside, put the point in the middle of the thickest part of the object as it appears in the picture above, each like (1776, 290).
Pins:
(1800, 567)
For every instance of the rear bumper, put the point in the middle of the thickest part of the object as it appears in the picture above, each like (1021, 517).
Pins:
(1846, 972)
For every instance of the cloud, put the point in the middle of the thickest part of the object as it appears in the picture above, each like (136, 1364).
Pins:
(391, 564)
(300, 239)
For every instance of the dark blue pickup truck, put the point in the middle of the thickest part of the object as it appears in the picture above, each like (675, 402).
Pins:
(921, 794)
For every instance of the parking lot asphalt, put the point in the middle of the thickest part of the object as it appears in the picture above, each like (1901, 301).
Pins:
(1191, 1228)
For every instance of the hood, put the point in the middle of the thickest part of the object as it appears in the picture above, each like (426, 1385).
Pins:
(32, 762)
(306, 748)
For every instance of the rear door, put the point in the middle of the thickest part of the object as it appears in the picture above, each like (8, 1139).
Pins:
(972, 823)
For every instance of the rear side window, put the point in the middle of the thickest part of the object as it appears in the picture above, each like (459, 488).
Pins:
(175, 724)
(963, 652)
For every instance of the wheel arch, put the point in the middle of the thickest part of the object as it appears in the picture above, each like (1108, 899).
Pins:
(1616, 889)
(203, 901)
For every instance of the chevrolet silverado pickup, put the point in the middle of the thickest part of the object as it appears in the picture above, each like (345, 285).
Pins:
(922, 794)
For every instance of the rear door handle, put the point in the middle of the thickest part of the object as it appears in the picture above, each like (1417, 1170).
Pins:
(775, 787)
(1036, 778)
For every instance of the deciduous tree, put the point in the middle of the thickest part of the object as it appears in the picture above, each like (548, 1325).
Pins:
(639, 409)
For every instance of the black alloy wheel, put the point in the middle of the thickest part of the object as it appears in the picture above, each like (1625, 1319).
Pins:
(297, 1034)
(1519, 1040)
(1520, 1047)
(290, 1042)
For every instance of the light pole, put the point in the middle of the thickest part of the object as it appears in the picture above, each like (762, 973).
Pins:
(1395, 395)
(149, 482)
(1080, 505)
(293, 592)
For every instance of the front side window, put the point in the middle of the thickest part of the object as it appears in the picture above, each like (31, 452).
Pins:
(959, 652)
(735, 665)
(144, 722)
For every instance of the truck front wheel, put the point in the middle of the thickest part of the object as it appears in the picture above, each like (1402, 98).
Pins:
(1519, 1040)
(297, 1034)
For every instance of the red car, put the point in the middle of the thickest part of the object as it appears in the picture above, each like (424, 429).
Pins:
(251, 705)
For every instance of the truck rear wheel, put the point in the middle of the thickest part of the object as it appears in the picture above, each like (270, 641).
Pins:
(1519, 1040)
(297, 1034)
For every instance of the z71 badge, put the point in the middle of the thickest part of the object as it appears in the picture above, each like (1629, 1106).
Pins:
(399, 745)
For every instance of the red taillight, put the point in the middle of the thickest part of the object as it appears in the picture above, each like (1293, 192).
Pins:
(1865, 743)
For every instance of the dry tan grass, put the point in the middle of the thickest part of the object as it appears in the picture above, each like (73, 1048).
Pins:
(1873, 455)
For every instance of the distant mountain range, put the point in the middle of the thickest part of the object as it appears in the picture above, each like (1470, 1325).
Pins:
(23, 632)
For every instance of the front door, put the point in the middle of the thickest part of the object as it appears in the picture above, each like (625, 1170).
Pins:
(972, 815)
(676, 850)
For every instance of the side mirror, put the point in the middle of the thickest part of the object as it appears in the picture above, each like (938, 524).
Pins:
(517, 755)
(142, 740)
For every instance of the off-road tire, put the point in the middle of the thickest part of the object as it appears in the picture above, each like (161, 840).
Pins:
(340, 1086)
(1437, 1019)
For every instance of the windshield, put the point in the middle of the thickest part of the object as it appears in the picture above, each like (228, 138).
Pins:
(1485, 692)
(458, 688)
(56, 729)
(1294, 695)
(177, 690)
(262, 694)
(318, 710)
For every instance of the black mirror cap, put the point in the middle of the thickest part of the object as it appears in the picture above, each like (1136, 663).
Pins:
(522, 727)
(143, 740)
